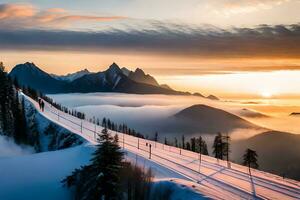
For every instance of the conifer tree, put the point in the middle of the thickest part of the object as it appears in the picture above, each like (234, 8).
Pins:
(108, 124)
(156, 137)
(183, 141)
(34, 135)
(19, 121)
(221, 146)
(176, 142)
(217, 146)
(5, 117)
(226, 146)
(101, 179)
(188, 146)
(107, 160)
(193, 144)
(250, 159)
(9, 105)
(166, 141)
(201, 145)
(204, 150)
(104, 124)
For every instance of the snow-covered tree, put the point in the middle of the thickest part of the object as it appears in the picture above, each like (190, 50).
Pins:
(101, 179)
(108, 176)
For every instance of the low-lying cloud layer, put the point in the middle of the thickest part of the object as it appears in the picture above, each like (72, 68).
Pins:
(168, 39)
(160, 107)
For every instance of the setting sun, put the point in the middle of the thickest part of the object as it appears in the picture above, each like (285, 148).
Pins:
(266, 94)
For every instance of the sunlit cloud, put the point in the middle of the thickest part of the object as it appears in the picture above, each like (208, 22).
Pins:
(16, 16)
(10, 11)
(230, 7)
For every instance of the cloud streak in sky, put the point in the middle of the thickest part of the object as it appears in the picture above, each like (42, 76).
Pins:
(167, 39)
(16, 16)
(229, 7)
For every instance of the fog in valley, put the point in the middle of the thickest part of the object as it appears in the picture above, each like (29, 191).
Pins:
(248, 123)
(148, 113)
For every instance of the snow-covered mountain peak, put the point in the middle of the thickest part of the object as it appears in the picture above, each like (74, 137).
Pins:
(72, 76)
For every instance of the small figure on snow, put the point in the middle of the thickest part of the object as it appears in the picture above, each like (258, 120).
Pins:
(42, 105)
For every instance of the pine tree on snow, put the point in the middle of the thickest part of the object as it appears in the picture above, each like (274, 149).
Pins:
(250, 159)
(101, 179)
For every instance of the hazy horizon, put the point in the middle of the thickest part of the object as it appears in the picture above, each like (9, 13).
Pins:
(231, 85)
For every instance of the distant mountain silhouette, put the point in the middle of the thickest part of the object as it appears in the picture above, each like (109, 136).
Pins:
(28, 74)
(295, 114)
(166, 86)
(111, 80)
(251, 113)
(198, 94)
(139, 76)
(207, 120)
(212, 97)
(278, 152)
(125, 71)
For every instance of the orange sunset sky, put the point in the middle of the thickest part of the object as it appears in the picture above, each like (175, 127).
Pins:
(229, 48)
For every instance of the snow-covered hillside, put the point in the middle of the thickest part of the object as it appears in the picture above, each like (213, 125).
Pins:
(42, 173)
(211, 177)
(38, 176)
(46, 135)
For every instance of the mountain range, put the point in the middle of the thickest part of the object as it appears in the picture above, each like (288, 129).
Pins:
(114, 79)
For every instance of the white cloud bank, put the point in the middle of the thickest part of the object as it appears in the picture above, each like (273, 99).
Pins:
(9, 148)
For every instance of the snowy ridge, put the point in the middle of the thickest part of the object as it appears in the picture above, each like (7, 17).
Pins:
(213, 178)
(72, 76)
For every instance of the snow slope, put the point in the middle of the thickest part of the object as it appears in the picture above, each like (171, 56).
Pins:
(213, 179)
(38, 176)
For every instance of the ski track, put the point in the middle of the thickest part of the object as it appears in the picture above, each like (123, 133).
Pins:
(214, 180)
